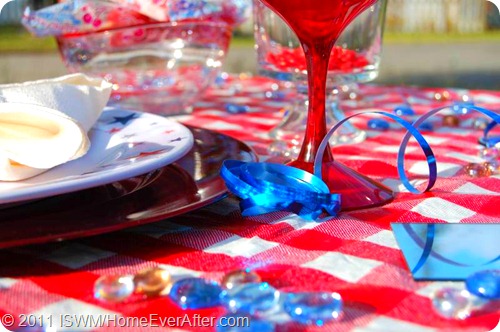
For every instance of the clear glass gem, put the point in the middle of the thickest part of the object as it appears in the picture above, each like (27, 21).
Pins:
(466, 98)
(313, 308)
(489, 154)
(195, 293)
(443, 96)
(478, 170)
(113, 288)
(492, 166)
(239, 277)
(239, 322)
(453, 303)
(378, 124)
(152, 281)
(354, 96)
(252, 298)
(284, 149)
(480, 123)
(485, 284)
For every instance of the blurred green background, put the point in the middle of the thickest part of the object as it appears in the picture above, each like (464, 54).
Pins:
(454, 43)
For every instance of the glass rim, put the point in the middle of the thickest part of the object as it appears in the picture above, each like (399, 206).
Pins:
(221, 24)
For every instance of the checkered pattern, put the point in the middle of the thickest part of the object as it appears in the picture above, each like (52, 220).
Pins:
(354, 254)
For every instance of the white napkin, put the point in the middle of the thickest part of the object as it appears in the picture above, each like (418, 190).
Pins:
(45, 123)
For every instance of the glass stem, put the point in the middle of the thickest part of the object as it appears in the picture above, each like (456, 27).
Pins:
(317, 67)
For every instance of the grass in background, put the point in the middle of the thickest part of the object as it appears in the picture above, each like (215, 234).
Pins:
(425, 38)
(17, 39)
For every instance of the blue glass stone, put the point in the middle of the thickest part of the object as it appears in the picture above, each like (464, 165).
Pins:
(236, 109)
(403, 110)
(426, 126)
(275, 95)
(239, 322)
(378, 124)
(462, 107)
(485, 284)
(313, 308)
(195, 293)
(252, 298)
(220, 80)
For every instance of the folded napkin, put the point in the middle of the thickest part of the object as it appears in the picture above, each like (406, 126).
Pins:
(45, 123)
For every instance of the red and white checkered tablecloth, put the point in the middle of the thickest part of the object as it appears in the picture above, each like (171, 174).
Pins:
(354, 254)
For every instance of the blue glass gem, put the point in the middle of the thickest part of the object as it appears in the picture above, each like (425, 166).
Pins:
(426, 126)
(378, 124)
(236, 109)
(195, 293)
(313, 308)
(462, 107)
(275, 95)
(485, 284)
(403, 110)
(252, 298)
(221, 79)
(239, 322)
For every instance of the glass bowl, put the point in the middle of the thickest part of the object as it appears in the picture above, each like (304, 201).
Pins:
(354, 59)
(161, 68)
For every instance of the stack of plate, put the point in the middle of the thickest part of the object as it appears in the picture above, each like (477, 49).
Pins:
(141, 168)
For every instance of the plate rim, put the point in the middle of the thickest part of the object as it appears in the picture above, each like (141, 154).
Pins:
(56, 187)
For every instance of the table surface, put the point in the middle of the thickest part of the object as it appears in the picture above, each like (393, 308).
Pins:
(354, 253)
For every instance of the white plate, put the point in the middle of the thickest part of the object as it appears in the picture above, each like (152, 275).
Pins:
(124, 144)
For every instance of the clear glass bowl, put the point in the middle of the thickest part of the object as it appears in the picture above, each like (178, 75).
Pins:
(159, 68)
(355, 58)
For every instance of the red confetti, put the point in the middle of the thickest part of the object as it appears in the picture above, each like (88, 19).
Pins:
(340, 59)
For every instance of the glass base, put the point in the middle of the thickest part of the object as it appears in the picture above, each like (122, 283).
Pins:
(357, 191)
(289, 133)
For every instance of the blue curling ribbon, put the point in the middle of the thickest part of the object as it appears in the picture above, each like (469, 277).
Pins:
(267, 187)
(489, 141)
(429, 242)
(412, 131)
(427, 247)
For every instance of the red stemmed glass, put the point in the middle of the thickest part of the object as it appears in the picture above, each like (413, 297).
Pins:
(318, 24)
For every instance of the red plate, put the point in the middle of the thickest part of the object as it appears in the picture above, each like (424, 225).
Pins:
(189, 184)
